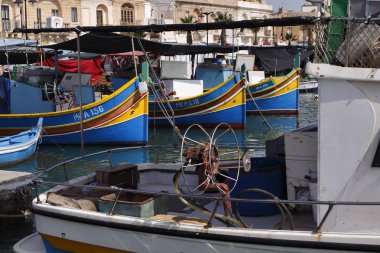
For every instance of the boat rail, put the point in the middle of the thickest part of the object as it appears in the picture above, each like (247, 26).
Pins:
(330, 204)
(272, 199)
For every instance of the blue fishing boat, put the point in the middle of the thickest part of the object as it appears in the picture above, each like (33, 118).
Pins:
(275, 95)
(224, 103)
(118, 118)
(21, 146)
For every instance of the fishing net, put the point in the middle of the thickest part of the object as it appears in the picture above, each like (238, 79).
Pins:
(360, 38)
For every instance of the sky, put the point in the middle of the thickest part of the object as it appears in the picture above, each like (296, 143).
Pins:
(288, 4)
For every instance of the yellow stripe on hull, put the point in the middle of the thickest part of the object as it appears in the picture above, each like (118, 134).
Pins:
(288, 88)
(78, 247)
(237, 100)
(139, 109)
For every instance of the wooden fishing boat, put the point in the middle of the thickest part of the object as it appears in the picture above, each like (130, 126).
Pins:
(19, 147)
(119, 118)
(224, 103)
(275, 95)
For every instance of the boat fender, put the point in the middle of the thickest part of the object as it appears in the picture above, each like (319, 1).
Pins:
(246, 162)
(143, 87)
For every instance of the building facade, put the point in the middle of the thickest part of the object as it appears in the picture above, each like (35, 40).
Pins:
(68, 13)
(72, 13)
(204, 12)
(296, 35)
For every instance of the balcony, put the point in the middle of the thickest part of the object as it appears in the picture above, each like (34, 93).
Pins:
(155, 21)
(41, 24)
(7, 25)
(126, 23)
(103, 24)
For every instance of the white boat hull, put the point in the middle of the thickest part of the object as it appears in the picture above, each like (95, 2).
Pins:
(71, 229)
(72, 235)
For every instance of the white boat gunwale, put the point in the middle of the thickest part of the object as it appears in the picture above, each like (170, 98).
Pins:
(284, 238)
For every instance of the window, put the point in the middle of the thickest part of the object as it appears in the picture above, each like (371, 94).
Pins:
(127, 15)
(99, 17)
(54, 12)
(5, 18)
(290, 30)
(74, 14)
(39, 18)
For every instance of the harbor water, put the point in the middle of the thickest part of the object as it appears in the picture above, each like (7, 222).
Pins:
(255, 134)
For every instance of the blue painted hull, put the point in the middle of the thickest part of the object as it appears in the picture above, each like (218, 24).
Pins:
(120, 118)
(20, 147)
(18, 156)
(231, 116)
(222, 104)
(130, 132)
(277, 95)
(281, 103)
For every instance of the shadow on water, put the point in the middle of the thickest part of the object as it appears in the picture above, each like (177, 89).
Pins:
(255, 134)
(12, 230)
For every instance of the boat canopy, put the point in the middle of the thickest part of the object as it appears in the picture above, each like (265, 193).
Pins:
(272, 58)
(283, 21)
(19, 51)
(280, 58)
(98, 42)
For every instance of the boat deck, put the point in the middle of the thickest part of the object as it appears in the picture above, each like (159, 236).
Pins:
(178, 212)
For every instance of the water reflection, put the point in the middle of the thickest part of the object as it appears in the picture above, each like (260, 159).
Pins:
(254, 135)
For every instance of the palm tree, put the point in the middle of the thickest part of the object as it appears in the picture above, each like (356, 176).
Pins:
(223, 17)
(255, 30)
(290, 37)
(187, 20)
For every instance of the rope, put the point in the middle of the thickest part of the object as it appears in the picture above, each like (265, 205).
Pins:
(258, 109)
(25, 191)
(199, 209)
(55, 143)
(161, 99)
(26, 53)
(7, 56)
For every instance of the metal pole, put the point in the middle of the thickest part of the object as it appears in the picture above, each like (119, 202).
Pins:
(134, 56)
(26, 20)
(80, 95)
(56, 65)
(207, 29)
(348, 38)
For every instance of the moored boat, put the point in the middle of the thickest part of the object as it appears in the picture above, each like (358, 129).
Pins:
(224, 103)
(121, 117)
(308, 86)
(275, 95)
(19, 147)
